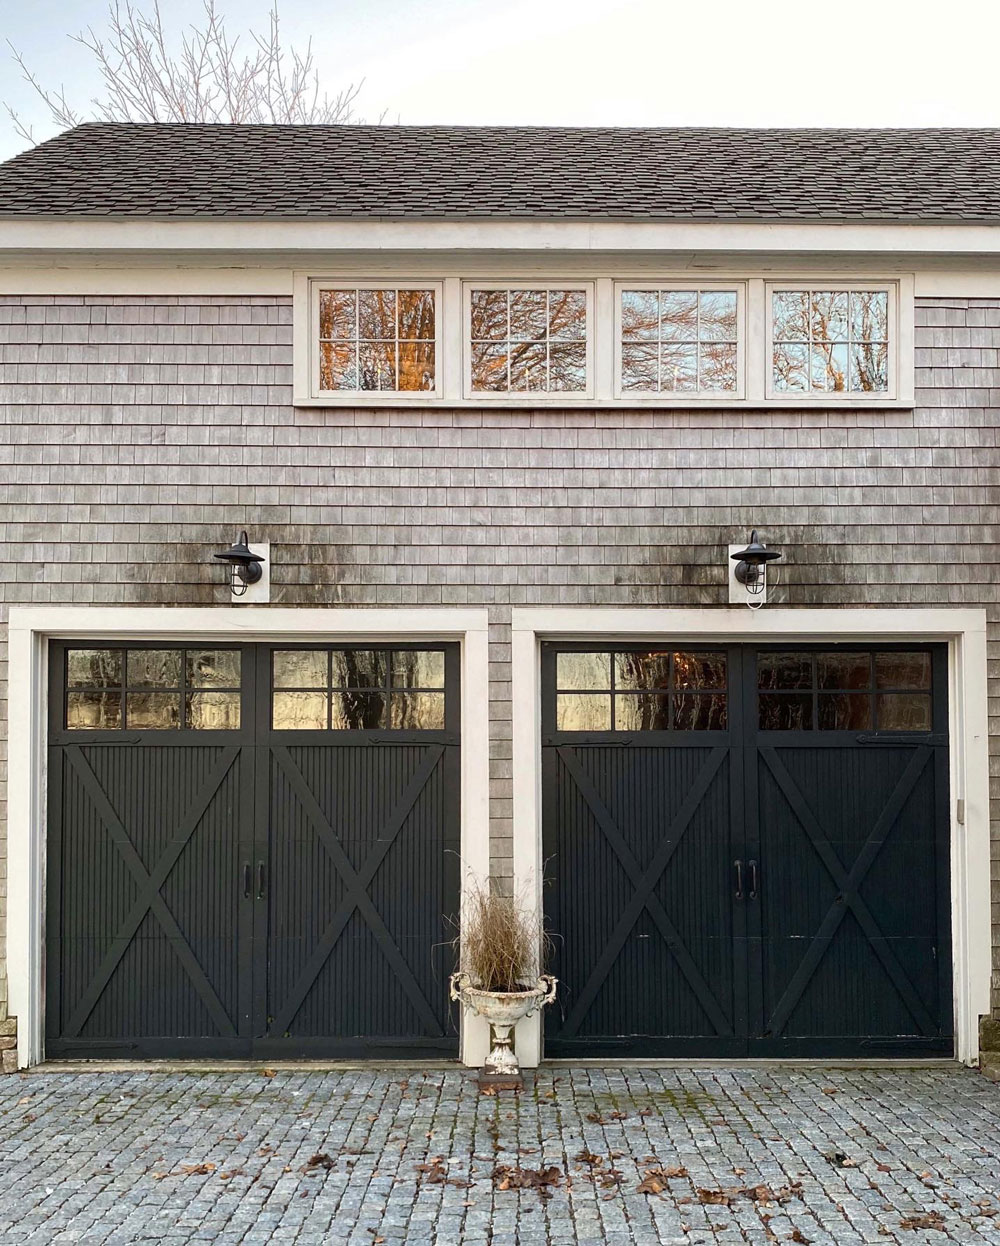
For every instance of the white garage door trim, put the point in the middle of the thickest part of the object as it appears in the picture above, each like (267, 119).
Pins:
(963, 629)
(30, 630)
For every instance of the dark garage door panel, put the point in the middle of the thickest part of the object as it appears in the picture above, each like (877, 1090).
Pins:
(855, 929)
(142, 863)
(365, 862)
(838, 943)
(251, 892)
(643, 833)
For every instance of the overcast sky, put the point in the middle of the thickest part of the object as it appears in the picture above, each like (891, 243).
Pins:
(624, 62)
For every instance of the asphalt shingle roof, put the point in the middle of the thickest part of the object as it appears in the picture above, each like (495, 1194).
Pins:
(441, 172)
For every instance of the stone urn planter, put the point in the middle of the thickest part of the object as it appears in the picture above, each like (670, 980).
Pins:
(503, 1010)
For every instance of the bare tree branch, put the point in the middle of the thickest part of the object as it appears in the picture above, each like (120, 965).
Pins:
(208, 78)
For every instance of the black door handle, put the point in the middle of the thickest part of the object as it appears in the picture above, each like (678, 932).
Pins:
(753, 880)
(246, 880)
(738, 867)
(260, 880)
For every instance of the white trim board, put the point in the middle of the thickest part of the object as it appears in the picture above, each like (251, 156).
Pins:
(30, 629)
(130, 234)
(268, 276)
(963, 629)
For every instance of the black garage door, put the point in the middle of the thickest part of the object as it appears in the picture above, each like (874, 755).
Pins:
(252, 850)
(747, 850)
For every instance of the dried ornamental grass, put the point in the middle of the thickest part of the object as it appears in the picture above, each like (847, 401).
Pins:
(503, 944)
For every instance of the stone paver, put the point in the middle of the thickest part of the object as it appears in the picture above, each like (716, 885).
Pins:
(849, 1156)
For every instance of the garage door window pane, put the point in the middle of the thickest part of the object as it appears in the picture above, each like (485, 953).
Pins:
(153, 711)
(94, 668)
(845, 711)
(94, 711)
(642, 670)
(578, 671)
(843, 670)
(213, 711)
(902, 711)
(417, 711)
(583, 712)
(643, 711)
(784, 670)
(704, 712)
(418, 668)
(300, 711)
(301, 668)
(903, 670)
(213, 668)
(790, 711)
(699, 670)
(357, 711)
(154, 668)
(358, 668)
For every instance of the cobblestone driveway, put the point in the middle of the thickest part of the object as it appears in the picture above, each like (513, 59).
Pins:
(727, 1155)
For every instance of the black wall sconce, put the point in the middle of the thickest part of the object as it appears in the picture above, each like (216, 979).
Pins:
(244, 565)
(751, 569)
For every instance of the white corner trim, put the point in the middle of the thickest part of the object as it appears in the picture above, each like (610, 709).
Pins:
(29, 631)
(964, 631)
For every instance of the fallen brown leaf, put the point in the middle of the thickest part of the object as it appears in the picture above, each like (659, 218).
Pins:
(434, 1172)
(541, 1179)
(197, 1170)
(588, 1158)
(319, 1160)
(269, 1072)
(800, 1237)
(928, 1220)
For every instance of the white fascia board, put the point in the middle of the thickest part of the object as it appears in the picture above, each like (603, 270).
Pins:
(152, 236)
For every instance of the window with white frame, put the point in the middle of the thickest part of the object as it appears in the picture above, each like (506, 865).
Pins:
(609, 340)
(525, 339)
(674, 340)
(377, 339)
(825, 339)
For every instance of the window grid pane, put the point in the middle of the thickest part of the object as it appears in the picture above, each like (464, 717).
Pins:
(881, 690)
(357, 689)
(154, 689)
(832, 341)
(641, 690)
(697, 335)
(528, 340)
(377, 339)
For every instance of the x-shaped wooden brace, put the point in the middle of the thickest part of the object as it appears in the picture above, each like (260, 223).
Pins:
(356, 884)
(848, 884)
(643, 897)
(149, 898)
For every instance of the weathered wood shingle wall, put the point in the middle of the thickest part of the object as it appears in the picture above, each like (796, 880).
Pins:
(138, 433)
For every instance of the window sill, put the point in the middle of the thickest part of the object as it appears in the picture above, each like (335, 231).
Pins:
(554, 403)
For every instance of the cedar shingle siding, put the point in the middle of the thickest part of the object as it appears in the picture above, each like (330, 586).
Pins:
(137, 434)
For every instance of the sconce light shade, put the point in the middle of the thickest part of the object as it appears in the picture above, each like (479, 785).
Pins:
(751, 564)
(245, 565)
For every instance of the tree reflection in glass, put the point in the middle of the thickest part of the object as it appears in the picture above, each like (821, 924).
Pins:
(832, 341)
(377, 340)
(532, 340)
(679, 341)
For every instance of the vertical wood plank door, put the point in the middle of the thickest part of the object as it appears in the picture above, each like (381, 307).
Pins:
(746, 851)
(241, 866)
